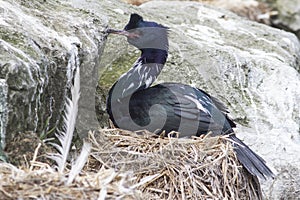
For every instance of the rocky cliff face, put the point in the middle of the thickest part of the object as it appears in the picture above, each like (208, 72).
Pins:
(288, 17)
(42, 43)
(252, 68)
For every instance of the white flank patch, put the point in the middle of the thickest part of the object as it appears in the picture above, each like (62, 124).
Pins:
(198, 104)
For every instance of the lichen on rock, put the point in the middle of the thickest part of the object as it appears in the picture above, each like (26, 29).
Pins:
(37, 38)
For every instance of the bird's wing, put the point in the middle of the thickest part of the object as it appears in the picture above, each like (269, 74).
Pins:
(185, 109)
(188, 107)
(221, 106)
(193, 106)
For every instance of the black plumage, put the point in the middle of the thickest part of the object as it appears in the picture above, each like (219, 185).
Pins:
(133, 105)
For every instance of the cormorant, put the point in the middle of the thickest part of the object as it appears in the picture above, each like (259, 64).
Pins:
(133, 105)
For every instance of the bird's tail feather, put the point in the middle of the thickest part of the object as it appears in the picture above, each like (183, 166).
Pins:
(250, 160)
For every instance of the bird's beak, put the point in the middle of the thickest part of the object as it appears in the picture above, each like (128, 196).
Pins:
(122, 32)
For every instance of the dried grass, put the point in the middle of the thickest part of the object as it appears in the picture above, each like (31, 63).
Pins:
(126, 165)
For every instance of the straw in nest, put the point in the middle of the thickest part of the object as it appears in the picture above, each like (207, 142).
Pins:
(127, 165)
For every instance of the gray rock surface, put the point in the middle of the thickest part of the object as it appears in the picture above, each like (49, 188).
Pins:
(42, 43)
(288, 15)
(3, 115)
(3, 109)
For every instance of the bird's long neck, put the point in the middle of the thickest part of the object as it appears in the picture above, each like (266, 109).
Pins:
(143, 73)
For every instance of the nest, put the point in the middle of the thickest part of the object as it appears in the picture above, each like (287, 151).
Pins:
(127, 165)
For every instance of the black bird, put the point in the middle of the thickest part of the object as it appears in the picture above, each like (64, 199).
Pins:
(133, 105)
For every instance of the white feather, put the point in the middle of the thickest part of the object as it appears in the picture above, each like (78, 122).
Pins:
(80, 161)
(198, 104)
(65, 136)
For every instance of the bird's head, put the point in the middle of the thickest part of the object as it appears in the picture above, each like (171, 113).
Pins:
(144, 34)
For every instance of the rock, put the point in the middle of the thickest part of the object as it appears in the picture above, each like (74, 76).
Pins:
(3, 108)
(88, 108)
(3, 115)
(288, 17)
(251, 9)
(251, 67)
(42, 43)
